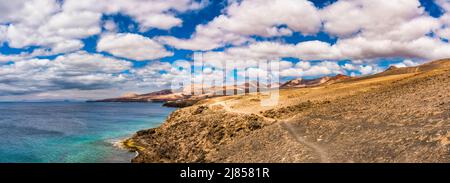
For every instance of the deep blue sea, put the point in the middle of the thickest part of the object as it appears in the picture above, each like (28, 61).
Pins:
(73, 132)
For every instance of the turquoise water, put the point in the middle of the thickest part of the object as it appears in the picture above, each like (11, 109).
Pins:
(72, 132)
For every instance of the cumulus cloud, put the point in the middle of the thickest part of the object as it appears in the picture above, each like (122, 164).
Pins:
(306, 69)
(398, 28)
(406, 63)
(256, 17)
(444, 32)
(110, 26)
(148, 13)
(78, 70)
(308, 50)
(205, 38)
(387, 28)
(70, 24)
(40, 52)
(346, 17)
(158, 75)
(267, 18)
(364, 48)
(43, 23)
(132, 46)
(370, 34)
(8, 9)
(59, 25)
(366, 70)
(361, 69)
(445, 4)
(3, 30)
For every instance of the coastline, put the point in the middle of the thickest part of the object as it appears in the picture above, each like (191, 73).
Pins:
(127, 144)
(91, 133)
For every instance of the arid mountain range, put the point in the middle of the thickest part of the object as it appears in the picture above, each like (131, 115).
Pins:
(303, 83)
(191, 94)
(400, 115)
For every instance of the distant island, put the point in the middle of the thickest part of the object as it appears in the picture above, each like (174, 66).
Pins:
(399, 115)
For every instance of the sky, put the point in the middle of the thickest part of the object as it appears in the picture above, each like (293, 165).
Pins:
(93, 49)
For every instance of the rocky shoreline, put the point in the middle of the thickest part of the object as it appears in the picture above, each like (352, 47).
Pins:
(174, 141)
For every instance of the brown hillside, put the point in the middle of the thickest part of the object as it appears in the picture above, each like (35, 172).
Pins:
(401, 115)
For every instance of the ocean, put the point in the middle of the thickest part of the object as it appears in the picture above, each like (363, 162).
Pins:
(71, 132)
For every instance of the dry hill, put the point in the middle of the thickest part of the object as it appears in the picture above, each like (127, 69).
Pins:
(400, 115)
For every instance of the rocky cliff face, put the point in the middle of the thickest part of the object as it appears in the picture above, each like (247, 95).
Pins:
(193, 134)
(386, 118)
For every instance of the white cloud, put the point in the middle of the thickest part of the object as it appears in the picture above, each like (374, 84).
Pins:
(252, 17)
(283, 64)
(59, 25)
(445, 4)
(85, 63)
(349, 67)
(8, 9)
(3, 30)
(327, 68)
(110, 26)
(83, 76)
(444, 33)
(387, 28)
(347, 17)
(308, 50)
(406, 63)
(410, 63)
(67, 46)
(148, 13)
(42, 23)
(37, 52)
(78, 70)
(32, 12)
(354, 48)
(205, 38)
(365, 70)
(132, 46)
(445, 19)
(161, 74)
(306, 69)
(303, 65)
(73, 24)
(261, 17)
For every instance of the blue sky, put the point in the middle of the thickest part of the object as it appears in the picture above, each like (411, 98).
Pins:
(133, 46)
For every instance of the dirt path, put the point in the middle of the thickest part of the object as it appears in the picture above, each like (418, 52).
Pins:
(321, 152)
(285, 124)
(229, 109)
